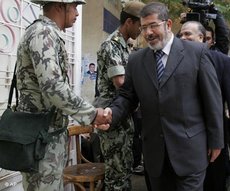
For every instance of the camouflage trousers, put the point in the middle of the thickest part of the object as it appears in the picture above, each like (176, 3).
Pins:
(116, 146)
(49, 177)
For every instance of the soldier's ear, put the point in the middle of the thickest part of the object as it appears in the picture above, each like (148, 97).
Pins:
(129, 21)
(59, 6)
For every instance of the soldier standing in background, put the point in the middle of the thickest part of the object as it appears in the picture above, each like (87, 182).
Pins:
(42, 81)
(112, 58)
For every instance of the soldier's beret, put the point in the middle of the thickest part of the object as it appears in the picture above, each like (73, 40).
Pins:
(133, 8)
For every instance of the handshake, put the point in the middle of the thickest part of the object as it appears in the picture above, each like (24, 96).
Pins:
(103, 118)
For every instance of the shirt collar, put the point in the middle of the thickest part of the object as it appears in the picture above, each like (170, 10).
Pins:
(52, 24)
(167, 47)
(118, 37)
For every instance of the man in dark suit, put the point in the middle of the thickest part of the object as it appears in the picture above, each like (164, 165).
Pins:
(181, 111)
(217, 171)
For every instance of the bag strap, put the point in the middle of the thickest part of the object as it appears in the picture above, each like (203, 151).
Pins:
(57, 132)
(48, 136)
(12, 87)
(14, 82)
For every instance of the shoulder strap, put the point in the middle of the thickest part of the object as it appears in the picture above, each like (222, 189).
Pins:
(12, 87)
(14, 82)
(57, 132)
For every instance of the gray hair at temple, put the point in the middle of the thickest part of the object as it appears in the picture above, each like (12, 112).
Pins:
(200, 28)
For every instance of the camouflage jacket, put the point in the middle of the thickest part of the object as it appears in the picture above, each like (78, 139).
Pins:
(112, 59)
(42, 80)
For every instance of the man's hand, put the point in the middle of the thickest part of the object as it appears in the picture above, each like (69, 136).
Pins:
(103, 119)
(213, 154)
(183, 18)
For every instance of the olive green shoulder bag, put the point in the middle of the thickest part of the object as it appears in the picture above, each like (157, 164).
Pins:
(23, 136)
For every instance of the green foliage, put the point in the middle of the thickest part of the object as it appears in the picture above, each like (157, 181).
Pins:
(176, 8)
(224, 9)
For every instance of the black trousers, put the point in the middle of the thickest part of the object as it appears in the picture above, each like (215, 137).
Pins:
(217, 173)
(137, 143)
(170, 181)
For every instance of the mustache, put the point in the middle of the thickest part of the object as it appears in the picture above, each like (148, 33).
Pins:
(151, 37)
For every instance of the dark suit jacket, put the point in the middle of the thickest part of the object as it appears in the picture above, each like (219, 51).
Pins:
(182, 114)
(221, 63)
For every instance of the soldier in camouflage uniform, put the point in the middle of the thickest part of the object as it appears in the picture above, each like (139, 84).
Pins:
(112, 58)
(42, 81)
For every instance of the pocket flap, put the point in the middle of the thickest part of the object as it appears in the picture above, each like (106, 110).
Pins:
(194, 130)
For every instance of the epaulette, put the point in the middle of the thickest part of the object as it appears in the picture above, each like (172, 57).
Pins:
(33, 23)
(115, 38)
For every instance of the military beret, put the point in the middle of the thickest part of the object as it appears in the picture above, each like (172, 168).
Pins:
(133, 8)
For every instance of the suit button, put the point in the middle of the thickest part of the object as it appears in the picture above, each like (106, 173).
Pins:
(161, 135)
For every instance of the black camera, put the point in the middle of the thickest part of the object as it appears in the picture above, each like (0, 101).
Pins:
(200, 11)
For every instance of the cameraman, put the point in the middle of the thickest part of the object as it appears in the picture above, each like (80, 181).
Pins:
(218, 40)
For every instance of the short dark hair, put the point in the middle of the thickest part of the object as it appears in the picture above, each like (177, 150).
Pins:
(46, 7)
(155, 8)
(210, 29)
(91, 64)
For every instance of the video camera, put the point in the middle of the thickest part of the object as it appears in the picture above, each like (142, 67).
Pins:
(200, 11)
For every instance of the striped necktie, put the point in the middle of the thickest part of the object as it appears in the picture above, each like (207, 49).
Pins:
(159, 64)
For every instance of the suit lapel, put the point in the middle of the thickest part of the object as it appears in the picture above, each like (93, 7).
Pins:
(174, 59)
(149, 66)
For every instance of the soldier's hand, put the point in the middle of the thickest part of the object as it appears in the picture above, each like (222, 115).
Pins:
(183, 18)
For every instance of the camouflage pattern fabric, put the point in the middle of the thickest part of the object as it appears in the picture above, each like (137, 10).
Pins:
(116, 144)
(112, 59)
(49, 177)
(42, 81)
